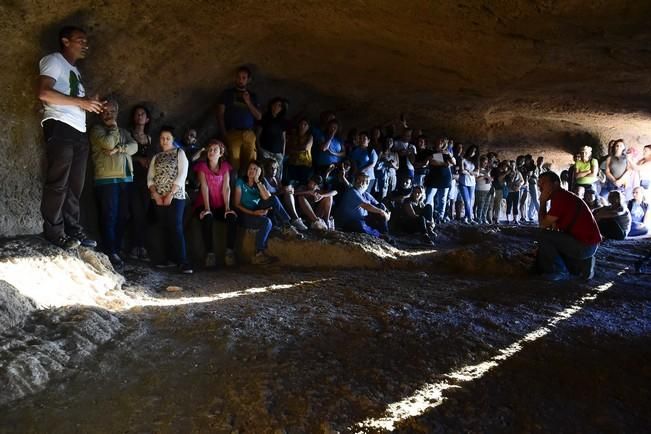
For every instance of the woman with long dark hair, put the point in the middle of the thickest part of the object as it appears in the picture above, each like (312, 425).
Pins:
(166, 181)
(259, 210)
(467, 182)
(273, 133)
(139, 200)
(299, 162)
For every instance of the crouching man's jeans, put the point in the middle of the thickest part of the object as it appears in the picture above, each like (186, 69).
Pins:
(559, 252)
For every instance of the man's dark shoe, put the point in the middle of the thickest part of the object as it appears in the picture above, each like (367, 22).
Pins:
(66, 242)
(554, 277)
(186, 269)
(116, 261)
(84, 240)
(587, 275)
(586, 268)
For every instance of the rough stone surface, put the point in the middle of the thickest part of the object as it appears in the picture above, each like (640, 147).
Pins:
(518, 75)
(295, 350)
(14, 306)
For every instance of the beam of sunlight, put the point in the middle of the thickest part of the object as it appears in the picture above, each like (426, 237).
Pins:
(417, 253)
(431, 395)
(55, 281)
(63, 280)
(148, 301)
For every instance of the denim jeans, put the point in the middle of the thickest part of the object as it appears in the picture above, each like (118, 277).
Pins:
(372, 224)
(114, 214)
(386, 181)
(637, 229)
(467, 194)
(534, 204)
(419, 176)
(277, 216)
(260, 223)
(171, 218)
(66, 151)
(438, 198)
(559, 252)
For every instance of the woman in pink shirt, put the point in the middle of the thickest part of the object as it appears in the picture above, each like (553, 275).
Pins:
(213, 202)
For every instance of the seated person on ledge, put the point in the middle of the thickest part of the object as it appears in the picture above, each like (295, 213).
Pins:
(592, 200)
(395, 198)
(259, 210)
(358, 211)
(213, 202)
(337, 178)
(285, 193)
(417, 216)
(614, 219)
(640, 215)
(315, 204)
(572, 236)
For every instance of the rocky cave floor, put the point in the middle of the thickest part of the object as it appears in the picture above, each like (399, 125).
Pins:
(280, 349)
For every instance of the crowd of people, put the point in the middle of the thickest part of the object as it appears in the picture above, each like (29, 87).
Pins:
(266, 171)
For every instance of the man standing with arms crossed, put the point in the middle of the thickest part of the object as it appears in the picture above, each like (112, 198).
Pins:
(65, 104)
(236, 116)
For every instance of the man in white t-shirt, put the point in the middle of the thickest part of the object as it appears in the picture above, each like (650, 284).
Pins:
(65, 104)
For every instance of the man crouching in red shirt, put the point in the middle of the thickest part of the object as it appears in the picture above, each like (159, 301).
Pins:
(572, 237)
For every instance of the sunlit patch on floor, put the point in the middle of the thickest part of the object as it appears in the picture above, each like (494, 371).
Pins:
(431, 394)
(62, 280)
(417, 253)
(148, 301)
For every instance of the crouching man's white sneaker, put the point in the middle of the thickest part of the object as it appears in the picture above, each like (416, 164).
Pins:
(299, 225)
(319, 225)
(290, 231)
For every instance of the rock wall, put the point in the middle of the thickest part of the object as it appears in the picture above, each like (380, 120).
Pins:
(518, 75)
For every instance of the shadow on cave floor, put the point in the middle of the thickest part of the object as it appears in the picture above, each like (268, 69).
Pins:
(324, 350)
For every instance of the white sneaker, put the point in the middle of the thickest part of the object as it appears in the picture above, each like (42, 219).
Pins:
(291, 232)
(299, 225)
(319, 225)
(211, 260)
(331, 224)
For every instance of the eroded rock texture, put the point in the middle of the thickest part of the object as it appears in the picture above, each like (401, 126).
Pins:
(541, 76)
